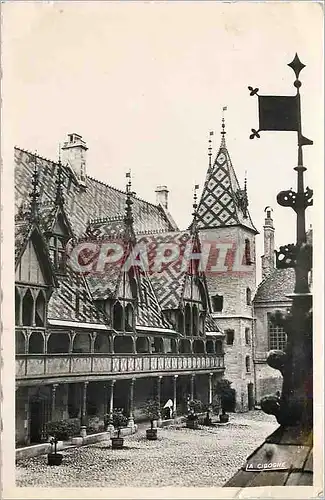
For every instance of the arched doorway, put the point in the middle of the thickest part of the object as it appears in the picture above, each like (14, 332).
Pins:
(28, 303)
(158, 345)
(81, 343)
(102, 343)
(58, 343)
(198, 346)
(184, 346)
(36, 343)
(123, 344)
(210, 346)
(142, 345)
(20, 342)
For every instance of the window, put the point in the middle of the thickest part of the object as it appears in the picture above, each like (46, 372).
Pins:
(277, 335)
(217, 303)
(195, 320)
(248, 259)
(230, 336)
(248, 364)
(247, 336)
(248, 297)
(118, 317)
(57, 252)
(188, 320)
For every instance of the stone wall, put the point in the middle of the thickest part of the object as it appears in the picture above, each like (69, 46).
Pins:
(236, 314)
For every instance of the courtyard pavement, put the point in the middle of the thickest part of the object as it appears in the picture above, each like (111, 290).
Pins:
(180, 457)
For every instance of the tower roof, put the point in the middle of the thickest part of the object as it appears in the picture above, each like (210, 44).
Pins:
(223, 202)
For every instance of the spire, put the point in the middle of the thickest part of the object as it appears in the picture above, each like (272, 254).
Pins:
(34, 195)
(223, 202)
(223, 126)
(59, 198)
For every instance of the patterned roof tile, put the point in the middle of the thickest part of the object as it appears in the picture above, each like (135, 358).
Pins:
(222, 199)
(97, 200)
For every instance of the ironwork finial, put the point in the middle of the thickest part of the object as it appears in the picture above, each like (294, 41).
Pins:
(211, 133)
(34, 195)
(223, 126)
(59, 198)
(128, 219)
(195, 205)
(296, 65)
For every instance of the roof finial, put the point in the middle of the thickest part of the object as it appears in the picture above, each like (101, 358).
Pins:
(211, 133)
(194, 224)
(34, 195)
(59, 198)
(245, 195)
(128, 219)
(223, 126)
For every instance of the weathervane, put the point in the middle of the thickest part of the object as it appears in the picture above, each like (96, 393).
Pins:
(295, 406)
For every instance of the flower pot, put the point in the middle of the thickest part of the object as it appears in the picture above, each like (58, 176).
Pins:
(54, 458)
(117, 443)
(151, 434)
(207, 421)
(192, 424)
(224, 418)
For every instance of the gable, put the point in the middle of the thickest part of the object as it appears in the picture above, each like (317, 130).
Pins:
(30, 269)
(59, 227)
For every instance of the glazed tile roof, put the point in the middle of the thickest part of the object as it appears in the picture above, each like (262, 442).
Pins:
(221, 202)
(276, 286)
(149, 311)
(211, 324)
(292, 447)
(168, 281)
(97, 200)
(72, 301)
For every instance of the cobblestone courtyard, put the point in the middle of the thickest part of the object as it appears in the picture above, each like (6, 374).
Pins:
(180, 457)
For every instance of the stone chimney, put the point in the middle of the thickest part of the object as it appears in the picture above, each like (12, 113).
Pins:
(268, 259)
(162, 196)
(74, 154)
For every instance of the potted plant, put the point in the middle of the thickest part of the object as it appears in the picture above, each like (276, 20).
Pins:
(207, 419)
(226, 395)
(152, 410)
(54, 458)
(119, 421)
(192, 421)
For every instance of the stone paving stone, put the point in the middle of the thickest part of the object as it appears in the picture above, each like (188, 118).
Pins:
(180, 457)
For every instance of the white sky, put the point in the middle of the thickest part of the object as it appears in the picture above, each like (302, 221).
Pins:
(144, 83)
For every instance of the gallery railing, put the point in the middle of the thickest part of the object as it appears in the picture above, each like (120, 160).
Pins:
(29, 366)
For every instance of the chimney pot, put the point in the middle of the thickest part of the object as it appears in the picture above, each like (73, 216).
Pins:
(162, 196)
(74, 154)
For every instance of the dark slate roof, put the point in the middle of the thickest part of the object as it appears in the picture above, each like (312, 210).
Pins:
(294, 447)
(219, 204)
(62, 304)
(211, 324)
(97, 200)
(276, 287)
(113, 227)
(169, 282)
(149, 312)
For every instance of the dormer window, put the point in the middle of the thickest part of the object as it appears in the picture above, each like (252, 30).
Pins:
(57, 252)
(118, 317)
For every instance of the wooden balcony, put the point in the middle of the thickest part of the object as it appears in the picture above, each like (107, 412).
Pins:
(73, 367)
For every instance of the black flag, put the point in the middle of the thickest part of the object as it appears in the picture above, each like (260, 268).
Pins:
(278, 113)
